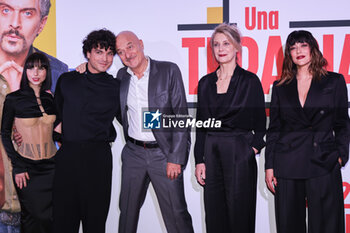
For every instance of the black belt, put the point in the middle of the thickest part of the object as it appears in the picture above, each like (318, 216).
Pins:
(149, 144)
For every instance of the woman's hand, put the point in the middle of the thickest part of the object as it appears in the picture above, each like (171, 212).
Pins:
(81, 68)
(270, 180)
(255, 150)
(200, 173)
(21, 179)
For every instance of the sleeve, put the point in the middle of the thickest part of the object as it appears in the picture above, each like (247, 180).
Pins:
(181, 140)
(8, 116)
(56, 137)
(259, 116)
(274, 128)
(118, 114)
(341, 120)
(58, 101)
(200, 132)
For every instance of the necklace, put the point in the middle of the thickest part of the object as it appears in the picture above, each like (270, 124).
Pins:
(224, 77)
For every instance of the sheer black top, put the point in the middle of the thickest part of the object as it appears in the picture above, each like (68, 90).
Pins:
(34, 120)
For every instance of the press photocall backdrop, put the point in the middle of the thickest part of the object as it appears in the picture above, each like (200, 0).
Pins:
(179, 31)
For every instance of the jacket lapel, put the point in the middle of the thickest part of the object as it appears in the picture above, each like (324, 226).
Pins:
(294, 96)
(152, 86)
(124, 89)
(312, 101)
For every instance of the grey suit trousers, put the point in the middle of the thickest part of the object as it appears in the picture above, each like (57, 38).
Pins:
(140, 166)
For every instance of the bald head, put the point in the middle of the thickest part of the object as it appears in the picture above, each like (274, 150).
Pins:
(128, 34)
(130, 50)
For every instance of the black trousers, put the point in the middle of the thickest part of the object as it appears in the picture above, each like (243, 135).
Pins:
(325, 204)
(230, 185)
(82, 187)
(36, 198)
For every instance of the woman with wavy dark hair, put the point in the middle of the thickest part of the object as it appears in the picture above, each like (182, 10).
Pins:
(307, 141)
(32, 110)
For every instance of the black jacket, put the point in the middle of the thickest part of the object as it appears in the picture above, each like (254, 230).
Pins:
(307, 142)
(242, 108)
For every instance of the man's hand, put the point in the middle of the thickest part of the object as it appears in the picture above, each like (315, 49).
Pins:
(173, 170)
(255, 150)
(21, 179)
(270, 180)
(200, 173)
(17, 136)
(5, 66)
(340, 161)
(12, 73)
(81, 68)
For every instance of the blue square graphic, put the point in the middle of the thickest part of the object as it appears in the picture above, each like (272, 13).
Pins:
(151, 120)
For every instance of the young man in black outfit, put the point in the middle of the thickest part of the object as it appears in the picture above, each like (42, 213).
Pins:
(87, 104)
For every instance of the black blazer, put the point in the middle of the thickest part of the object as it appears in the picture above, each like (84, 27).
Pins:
(242, 109)
(307, 142)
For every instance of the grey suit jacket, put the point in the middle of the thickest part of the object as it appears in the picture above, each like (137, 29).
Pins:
(165, 93)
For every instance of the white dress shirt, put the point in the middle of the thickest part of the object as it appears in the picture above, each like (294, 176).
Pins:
(137, 102)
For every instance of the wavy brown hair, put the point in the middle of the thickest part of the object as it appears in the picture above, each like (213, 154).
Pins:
(318, 62)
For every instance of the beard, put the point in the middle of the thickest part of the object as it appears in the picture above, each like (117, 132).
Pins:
(13, 47)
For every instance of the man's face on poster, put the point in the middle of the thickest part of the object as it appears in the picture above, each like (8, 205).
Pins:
(20, 23)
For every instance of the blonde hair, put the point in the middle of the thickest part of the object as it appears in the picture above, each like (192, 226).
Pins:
(231, 32)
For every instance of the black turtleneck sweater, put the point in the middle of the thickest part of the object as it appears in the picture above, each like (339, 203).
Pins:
(86, 105)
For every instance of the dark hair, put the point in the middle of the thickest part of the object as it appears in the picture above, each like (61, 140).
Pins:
(36, 59)
(103, 39)
(318, 62)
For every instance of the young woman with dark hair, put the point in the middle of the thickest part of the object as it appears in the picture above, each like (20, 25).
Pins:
(307, 141)
(32, 110)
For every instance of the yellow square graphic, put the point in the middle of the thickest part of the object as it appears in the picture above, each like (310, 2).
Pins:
(214, 14)
(46, 41)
